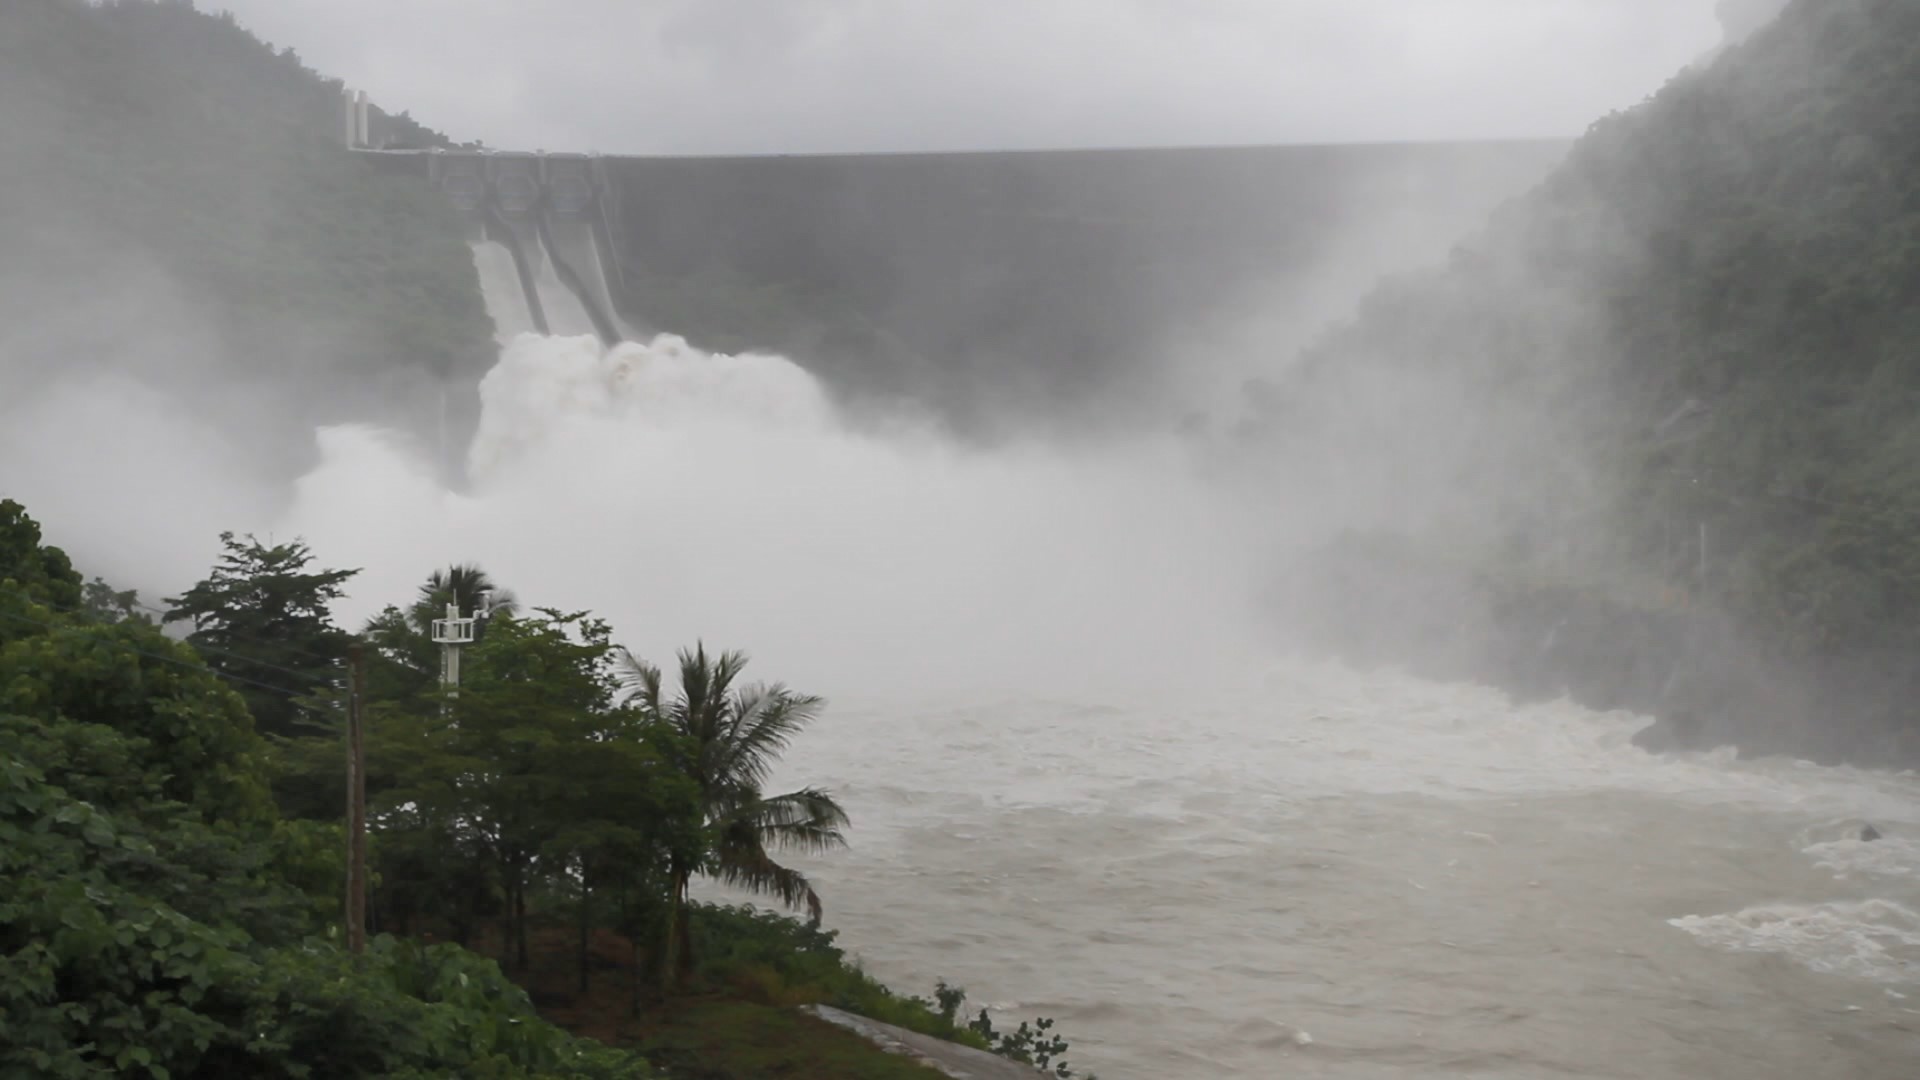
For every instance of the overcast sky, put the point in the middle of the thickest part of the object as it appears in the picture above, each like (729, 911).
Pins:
(761, 76)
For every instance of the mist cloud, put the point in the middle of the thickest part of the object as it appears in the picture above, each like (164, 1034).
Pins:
(686, 495)
(724, 76)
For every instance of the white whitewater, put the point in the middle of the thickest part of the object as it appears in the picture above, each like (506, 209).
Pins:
(500, 285)
(1081, 786)
(566, 315)
(1322, 873)
(507, 301)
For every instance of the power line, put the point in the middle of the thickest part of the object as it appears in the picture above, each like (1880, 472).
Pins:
(229, 654)
(293, 696)
(376, 652)
(289, 646)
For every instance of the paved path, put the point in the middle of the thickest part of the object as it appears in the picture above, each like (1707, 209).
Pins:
(951, 1059)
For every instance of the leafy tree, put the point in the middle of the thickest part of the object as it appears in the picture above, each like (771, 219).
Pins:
(44, 573)
(262, 619)
(157, 920)
(104, 603)
(624, 817)
(193, 733)
(403, 666)
(732, 736)
(489, 770)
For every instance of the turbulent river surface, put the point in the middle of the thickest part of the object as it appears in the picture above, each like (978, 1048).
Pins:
(1294, 870)
(1338, 874)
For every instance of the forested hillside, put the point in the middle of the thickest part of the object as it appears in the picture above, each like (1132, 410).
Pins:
(1684, 371)
(175, 203)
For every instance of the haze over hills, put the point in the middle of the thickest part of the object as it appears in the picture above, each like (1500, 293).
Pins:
(1005, 291)
(1742, 17)
(991, 292)
(1079, 460)
(1690, 362)
(178, 212)
(1698, 262)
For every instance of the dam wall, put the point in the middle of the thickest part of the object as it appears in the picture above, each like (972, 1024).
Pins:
(989, 290)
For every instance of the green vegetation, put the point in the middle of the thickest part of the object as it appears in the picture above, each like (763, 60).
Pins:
(176, 199)
(729, 739)
(161, 915)
(767, 961)
(158, 918)
(773, 960)
(262, 598)
(720, 1039)
(1700, 326)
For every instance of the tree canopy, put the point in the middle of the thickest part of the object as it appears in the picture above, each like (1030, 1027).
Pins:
(261, 618)
(42, 573)
(729, 736)
(158, 918)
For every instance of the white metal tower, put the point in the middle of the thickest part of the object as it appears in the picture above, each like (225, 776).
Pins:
(450, 633)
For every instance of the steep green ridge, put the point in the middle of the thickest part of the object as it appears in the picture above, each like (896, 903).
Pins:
(1687, 365)
(175, 199)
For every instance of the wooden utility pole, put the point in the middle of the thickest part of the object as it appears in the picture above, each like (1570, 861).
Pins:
(356, 800)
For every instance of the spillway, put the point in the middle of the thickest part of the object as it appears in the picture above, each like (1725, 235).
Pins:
(500, 286)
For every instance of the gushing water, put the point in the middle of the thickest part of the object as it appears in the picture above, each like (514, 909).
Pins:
(500, 285)
(686, 495)
(1081, 787)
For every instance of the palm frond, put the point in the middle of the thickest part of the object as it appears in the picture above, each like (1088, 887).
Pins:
(637, 680)
(807, 820)
(738, 732)
(463, 584)
(706, 685)
(763, 723)
(748, 867)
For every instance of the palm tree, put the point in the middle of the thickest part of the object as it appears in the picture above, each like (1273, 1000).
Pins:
(464, 584)
(732, 736)
(404, 636)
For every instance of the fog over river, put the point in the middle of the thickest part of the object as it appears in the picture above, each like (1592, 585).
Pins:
(1084, 786)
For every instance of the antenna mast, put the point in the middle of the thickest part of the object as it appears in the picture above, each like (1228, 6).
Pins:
(450, 633)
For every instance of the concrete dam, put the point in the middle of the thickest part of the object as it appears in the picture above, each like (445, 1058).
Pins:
(991, 289)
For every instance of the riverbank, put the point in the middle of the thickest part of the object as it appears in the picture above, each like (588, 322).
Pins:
(1704, 681)
(770, 998)
(713, 1032)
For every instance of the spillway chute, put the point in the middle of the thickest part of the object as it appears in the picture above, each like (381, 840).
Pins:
(542, 216)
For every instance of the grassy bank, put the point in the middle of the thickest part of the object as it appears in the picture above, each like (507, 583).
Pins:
(740, 1018)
